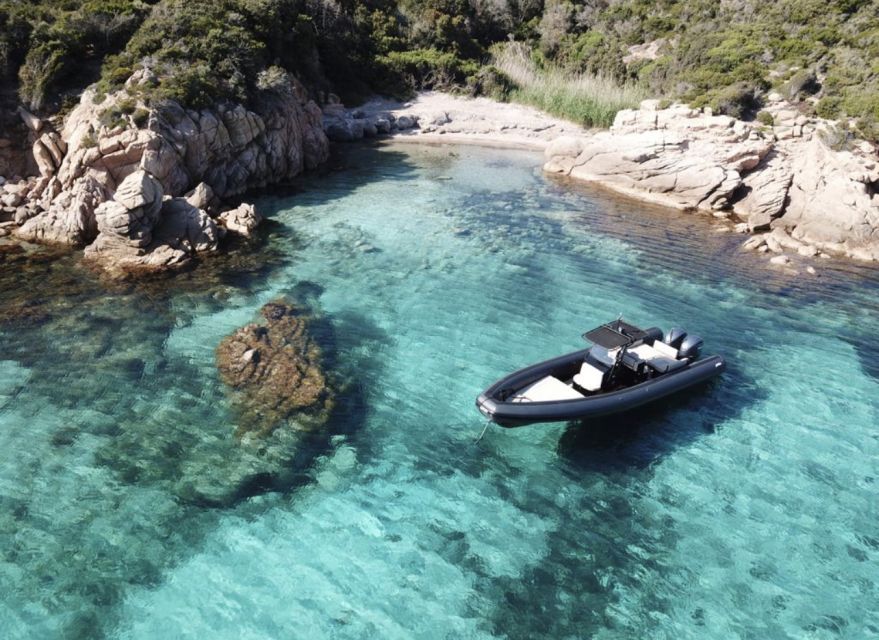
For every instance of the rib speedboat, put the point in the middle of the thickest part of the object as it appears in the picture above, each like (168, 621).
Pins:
(626, 367)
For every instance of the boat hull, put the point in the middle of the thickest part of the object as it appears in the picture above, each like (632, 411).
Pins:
(519, 414)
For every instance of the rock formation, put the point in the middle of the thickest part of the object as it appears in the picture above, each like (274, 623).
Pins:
(241, 220)
(103, 177)
(785, 177)
(275, 372)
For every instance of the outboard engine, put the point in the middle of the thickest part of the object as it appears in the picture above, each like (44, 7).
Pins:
(691, 347)
(652, 334)
(674, 337)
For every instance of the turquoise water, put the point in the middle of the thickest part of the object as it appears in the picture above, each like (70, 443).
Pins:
(129, 509)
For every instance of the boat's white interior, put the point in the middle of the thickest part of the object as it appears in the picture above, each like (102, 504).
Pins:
(659, 356)
(664, 349)
(547, 389)
(590, 378)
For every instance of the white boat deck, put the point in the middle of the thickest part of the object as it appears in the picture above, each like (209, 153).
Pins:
(548, 389)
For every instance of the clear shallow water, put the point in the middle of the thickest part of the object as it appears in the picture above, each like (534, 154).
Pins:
(128, 509)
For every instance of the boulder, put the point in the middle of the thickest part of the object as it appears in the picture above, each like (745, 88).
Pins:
(23, 214)
(31, 121)
(181, 233)
(11, 199)
(339, 130)
(382, 125)
(229, 147)
(405, 121)
(754, 243)
(241, 220)
(186, 227)
(823, 199)
(43, 157)
(202, 197)
(139, 189)
(133, 211)
(767, 192)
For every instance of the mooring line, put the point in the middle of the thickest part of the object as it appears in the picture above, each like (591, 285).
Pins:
(484, 429)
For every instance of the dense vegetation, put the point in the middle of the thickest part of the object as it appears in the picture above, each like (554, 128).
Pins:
(728, 55)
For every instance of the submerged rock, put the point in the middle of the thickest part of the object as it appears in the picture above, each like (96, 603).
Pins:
(275, 371)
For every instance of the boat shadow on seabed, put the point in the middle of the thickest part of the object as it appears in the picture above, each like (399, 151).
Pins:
(641, 437)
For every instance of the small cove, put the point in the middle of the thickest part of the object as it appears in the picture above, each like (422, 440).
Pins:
(749, 512)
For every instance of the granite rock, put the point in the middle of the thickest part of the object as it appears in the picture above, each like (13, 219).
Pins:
(87, 188)
(241, 220)
(820, 197)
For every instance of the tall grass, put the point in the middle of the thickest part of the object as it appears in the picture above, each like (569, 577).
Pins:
(590, 100)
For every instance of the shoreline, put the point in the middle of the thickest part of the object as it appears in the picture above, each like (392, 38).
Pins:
(474, 140)
(799, 199)
(795, 196)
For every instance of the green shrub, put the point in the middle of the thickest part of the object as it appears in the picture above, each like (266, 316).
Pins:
(829, 107)
(802, 83)
(203, 51)
(140, 117)
(65, 35)
(764, 117)
(126, 106)
(406, 71)
(737, 100)
(837, 137)
(271, 79)
(491, 82)
(89, 141)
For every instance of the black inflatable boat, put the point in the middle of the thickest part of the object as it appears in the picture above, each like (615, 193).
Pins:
(626, 367)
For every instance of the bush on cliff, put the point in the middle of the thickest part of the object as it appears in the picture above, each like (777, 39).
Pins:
(56, 46)
(727, 55)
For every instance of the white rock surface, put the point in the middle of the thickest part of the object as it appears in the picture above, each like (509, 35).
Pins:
(816, 198)
(241, 220)
(434, 116)
(106, 185)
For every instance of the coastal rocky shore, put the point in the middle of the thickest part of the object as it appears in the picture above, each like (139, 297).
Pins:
(801, 181)
(150, 195)
(145, 189)
(798, 184)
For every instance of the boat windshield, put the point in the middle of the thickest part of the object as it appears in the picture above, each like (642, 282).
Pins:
(614, 334)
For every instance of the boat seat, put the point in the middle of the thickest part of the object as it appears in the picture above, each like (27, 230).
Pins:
(665, 350)
(590, 377)
(660, 357)
(547, 389)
